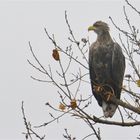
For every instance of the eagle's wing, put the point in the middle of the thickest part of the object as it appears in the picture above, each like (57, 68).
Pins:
(93, 74)
(118, 68)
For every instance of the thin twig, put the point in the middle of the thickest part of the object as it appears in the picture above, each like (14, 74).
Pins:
(121, 115)
(29, 130)
(133, 7)
(63, 50)
(74, 40)
(28, 134)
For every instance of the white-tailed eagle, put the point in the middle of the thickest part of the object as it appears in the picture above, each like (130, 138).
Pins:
(106, 67)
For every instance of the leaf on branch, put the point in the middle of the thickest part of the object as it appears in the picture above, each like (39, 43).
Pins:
(138, 83)
(62, 107)
(73, 104)
(84, 40)
(55, 54)
(26, 136)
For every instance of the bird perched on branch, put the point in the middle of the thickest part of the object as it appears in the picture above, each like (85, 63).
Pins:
(106, 67)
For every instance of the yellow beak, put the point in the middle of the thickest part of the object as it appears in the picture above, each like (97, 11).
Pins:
(91, 28)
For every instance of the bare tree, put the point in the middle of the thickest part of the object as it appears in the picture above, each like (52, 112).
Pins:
(72, 102)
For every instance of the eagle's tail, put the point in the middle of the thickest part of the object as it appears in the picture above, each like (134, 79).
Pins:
(108, 109)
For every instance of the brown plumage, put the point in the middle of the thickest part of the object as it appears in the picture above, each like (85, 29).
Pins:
(106, 67)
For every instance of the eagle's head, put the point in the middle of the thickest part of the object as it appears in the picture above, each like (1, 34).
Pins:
(99, 27)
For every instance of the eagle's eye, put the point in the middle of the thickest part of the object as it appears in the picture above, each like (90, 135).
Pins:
(96, 25)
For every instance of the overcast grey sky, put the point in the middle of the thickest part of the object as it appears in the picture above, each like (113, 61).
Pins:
(24, 21)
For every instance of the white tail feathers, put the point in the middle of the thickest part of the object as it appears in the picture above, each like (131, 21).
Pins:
(108, 109)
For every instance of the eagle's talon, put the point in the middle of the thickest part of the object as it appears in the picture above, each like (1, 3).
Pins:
(98, 88)
(109, 95)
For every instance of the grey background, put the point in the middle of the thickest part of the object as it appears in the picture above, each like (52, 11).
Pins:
(23, 21)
